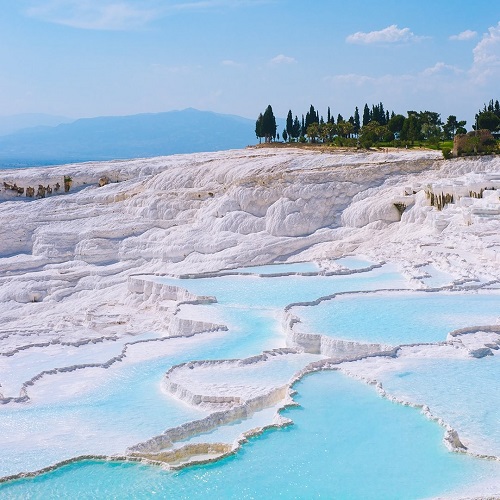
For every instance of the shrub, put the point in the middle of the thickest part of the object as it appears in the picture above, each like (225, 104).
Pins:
(446, 153)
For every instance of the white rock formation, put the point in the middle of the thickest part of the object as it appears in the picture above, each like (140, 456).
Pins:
(72, 264)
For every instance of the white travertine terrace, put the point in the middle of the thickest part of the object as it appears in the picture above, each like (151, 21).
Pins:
(78, 268)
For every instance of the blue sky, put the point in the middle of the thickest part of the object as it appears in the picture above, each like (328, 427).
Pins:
(82, 58)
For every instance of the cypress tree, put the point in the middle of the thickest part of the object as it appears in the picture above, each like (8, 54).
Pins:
(381, 114)
(296, 128)
(269, 124)
(356, 123)
(366, 115)
(289, 124)
(312, 116)
(258, 127)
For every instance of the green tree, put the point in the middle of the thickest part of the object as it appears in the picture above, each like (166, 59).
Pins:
(395, 123)
(373, 132)
(431, 133)
(284, 134)
(357, 124)
(297, 129)
(345, 129)
(430, 117)
(313, 131)
(488, 120)
(289, 124)
(366, 115)
(412, 128)
(329, 130)
(378, 114)
(453, 126)
(258, 127)
(312, 116)
(269, 124)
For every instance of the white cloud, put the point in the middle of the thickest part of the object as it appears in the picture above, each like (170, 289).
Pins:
(351, 79)
(441, 68)
(465, 35)
(486, 65)
(96, 15)
(432, 74)
(484, 72)
(230, 63)
(282, 59)
(209, 4)
(119, 14)
(391, 34)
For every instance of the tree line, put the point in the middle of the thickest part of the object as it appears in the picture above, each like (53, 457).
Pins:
(375, 125)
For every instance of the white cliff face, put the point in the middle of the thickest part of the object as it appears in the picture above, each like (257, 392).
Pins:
(159, 208)
(72, 264)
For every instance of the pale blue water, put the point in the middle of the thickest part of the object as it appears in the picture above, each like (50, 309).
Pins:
(362, 446)
(354, 262)
(343, 432)
(399, 318)
(436, 278)
(444, 385)
(126, 407)
(253, 291)
(296, 267)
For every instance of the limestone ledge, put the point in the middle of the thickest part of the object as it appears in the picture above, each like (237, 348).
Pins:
(58, 342)
(213, 402)
(150, 291)
(337, 348)
(216, 419)
(190, 454)
(315, 343)
(162, 446)
(155, 291)
(160, 449)
(488, 341)
(340, 271)
(451, 438)
(177, 328)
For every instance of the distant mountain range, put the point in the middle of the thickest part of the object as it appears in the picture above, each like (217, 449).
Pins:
(121, 137)
(14, 123)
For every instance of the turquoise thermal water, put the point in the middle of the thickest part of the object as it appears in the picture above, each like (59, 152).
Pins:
(273, 292)
(444, 385)
(346, 443)
(127, 406)
(399, 318)
(354, 262)
(298, 267)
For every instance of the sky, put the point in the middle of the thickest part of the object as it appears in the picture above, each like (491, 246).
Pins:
(85, 58)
